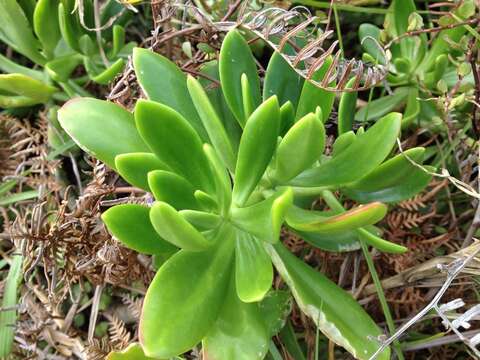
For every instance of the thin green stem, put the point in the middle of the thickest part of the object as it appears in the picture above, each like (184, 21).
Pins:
(339, 30)
(381, 297)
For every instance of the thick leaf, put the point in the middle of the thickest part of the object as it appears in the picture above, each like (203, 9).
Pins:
(401, 13)
(16, 31)
(8, 66)
(62, 67)
(132, 352)
(336, 242)
(369, 36)
(379, 243)
(216, 97)
(313, 221)
(264, 219)
(164, 82)
(173, 227)
(185, 298)
(381, 106)
(130, 224)
(174, 141)
(69, 28)
(201, 220)
(22, 85)
(276, 307)
(282, 80)
(236, 59)
(239, 333)
(334, 311)
(212, 123)
(134, 167)
(346, 109)
(45, 25)
(257, 146)
(172, 189)
(287, 117)
(361, 157)
(207, 202)
(223, 184)
(118, 41)
(395, 180)
(365, 234)
(343, 142)
(301, 146)
(101, 128)
(107, 75)
(253, 268)
(312, 96)
(412, 109)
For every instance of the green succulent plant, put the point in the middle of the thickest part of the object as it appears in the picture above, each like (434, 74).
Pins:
(228, 166)
(50, 34)
(419, 69)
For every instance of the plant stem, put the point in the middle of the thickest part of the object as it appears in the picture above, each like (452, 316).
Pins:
(339, 31)
(381, 297)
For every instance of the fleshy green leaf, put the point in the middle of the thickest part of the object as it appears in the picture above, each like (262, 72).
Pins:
(264, 219)
(253, 268)
(369, 36)
(361, 157)
(185, 298)
(222, 179)
(216, 97)
(130, 224)
(334, 311)
(412, 109)
(17, 32)
(174, 141)
(346, 109)
(101, 128)
(62, 67)
(108, 74)
(281, 80)
(379, 243)
(239, 333)
(301, 146)
(172, 189)
(257, 146)
(395, 180)
(312, 96)
(69, 28)
(201, 220)
(165, 83)
(313, 221)
(381, 106)
(45, 24)
(336, 242)
(287, 117)
(134, 167)
(236, 59)
(343, 142)
(25, 86)
(173, 227)
(212, 123)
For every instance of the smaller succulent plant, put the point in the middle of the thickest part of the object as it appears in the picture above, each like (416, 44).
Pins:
(228, 167)
(418, 69)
